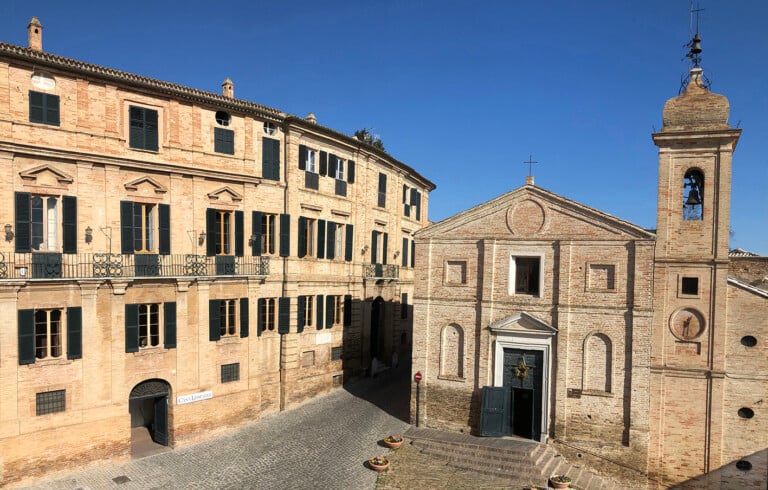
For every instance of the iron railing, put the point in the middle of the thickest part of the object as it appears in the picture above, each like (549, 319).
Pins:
(381, 271)
(44, 265)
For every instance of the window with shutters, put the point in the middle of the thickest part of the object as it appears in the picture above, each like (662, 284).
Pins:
(224, 141)
(378, 247)
(50, 402)
(338, 241)
(307, 236)
(45, 222)
(49, 333)
(223, 232)
(267, 313)
(144, 227)
(43, 108)
(268, 233)
(270, 159)
(336, 313)
(143, 322)
(149, 325)
(228, 317)
(311, 161)
(382, 202)
(339, 166)
(143, 128)
(308, 313)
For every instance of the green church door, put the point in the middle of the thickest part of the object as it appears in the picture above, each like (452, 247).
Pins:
(523, 377)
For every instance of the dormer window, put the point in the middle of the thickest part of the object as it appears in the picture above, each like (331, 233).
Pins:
(693, 195)
(269, 128)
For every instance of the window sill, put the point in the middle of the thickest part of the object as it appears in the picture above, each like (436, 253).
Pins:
(458, 379)
(604, 394)
(149, 351)
(51, 362)
(229, 339)
(145, 150)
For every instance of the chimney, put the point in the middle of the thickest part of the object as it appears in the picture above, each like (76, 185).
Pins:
(311, 118)
(228, 88)
(529, 180)
(35, 31)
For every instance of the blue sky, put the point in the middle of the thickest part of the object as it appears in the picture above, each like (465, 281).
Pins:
(462, 91)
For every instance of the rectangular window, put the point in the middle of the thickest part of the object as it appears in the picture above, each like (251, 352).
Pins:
(689, 286)
(230, 372)
(223, 232)
(337, 311)
(527, 275)
(267, 314)
(382, 191)
(270, 159)
(378, 247)
(307, 238)
(338, 242)
(43, 108)
(311, 161)
(44, 222)
(268, 233)
(49, 332)
(335, 353)
(309, 310)
(50, 402)
(224, 141)
(339, 169)
(227, 317)
(144, 227)
(149, 325)
(143, 128)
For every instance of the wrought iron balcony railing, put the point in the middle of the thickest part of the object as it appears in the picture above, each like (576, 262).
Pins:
(381, 271)
(44, 265)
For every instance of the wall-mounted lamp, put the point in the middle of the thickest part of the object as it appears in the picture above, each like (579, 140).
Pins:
(88, 235)
(201, 238)
(8, 233)
(252, 240)
(365, 249)
(397, 254)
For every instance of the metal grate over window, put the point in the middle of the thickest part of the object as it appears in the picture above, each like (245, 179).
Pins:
(230, 372)
(51, 402)
(335, 353)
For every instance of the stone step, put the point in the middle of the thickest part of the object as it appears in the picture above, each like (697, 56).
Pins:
(489, 454)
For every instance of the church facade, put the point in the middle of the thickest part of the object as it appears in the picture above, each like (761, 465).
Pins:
(641, 353)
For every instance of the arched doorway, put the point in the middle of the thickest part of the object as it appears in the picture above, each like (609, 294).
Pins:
(148, 405)
(377, 325)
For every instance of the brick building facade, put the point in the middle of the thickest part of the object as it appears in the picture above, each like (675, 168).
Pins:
(639, 352)
(178, 262)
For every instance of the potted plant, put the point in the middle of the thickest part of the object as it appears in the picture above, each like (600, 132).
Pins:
(560, 481)
(393, 442)
(378, 463)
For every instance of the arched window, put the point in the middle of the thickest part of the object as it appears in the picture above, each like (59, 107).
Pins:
(693, 195)
(598, 363)
(452, 351)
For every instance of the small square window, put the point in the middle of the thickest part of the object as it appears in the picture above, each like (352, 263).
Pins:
(43, 108)
(527, 275)
(224, 141)
(690, 286)
(50, 402)
(230, 372)
(335, 353)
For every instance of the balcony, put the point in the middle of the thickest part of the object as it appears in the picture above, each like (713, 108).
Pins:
(29, 266)
(381, 272)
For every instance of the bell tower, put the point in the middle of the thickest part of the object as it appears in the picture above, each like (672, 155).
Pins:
(696, 144)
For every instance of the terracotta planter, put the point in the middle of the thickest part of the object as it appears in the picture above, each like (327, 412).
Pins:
(393, 444)
(374, 464)
(560, 485)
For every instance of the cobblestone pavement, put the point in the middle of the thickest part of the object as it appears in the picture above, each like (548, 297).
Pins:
(321, 444)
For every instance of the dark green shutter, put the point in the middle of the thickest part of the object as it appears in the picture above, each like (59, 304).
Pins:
(329, 311)
(26, 336)
(301, 311)
(404, 305)
(320, 238)
(349, 239)
(302, 236)
(413, 253)
(418, 206)
(74, 332)
(164, 224)
(330, 249)
(270, 159)
(239, 234)
(150, 129)
(52, 109)
(384, 249)
(302, 157)
(323, 163)
(136, 122)
(347, 310)
(69, 224)
(332, 165)
(256, 232)
(405, 252)
(23, 236)
(374, 246)
(319, 310)
(261, 306)
(131, 328)
(36, 107)
(224, 141)
(169, 324)
(351, 171)
(214, 320)
(243, 317)
(283, 315)
(285, 235)
(210, 232)
(126, 227)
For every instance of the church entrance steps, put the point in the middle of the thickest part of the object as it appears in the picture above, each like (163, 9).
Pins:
(510, 457)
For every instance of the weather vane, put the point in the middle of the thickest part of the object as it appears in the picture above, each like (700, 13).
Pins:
(694, 50)
(530, 162)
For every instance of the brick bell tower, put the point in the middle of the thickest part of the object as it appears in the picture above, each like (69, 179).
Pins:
(696, 144)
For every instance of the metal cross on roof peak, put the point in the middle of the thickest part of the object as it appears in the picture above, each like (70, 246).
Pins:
(530, 163)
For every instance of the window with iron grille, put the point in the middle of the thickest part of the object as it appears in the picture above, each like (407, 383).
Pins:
(335, 353)
(230, 372)
(50, 402)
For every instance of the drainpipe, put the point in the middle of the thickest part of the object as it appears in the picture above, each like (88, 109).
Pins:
(284, 268)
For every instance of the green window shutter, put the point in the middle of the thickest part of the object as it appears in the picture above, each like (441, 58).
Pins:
(323, 163)
(283, 315)
(332, 165)
(74, 332)
(405, 194)
(302, 236)
(382, 203)
(164, 226)
(26, 320)
(285, 235)
(36, 107)
(330, 249)
(256, 232)
(69, 224)
(319, 319)
(261, 306)
(270, 159)
(351, 171)
(239, 233)
(329, 311)
(169, 325)
(150, 130)
(131, 328)
(214, 320)
(23, 217)
(302, 157)
(418, 206)
(405, 252)
(126, 227)
(384, 249)
(349, 238)
(136, 135)
(210, 232)
(374, 247)
(347, 310)
(52, 109)
(413, 253)
(224, 141)
(404, 305)
(301, 311)
(320, 238)
(243, 317)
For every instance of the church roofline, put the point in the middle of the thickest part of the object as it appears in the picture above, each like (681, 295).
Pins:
(748, 287)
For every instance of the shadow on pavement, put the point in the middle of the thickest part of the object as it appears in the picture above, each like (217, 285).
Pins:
(390, 392)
